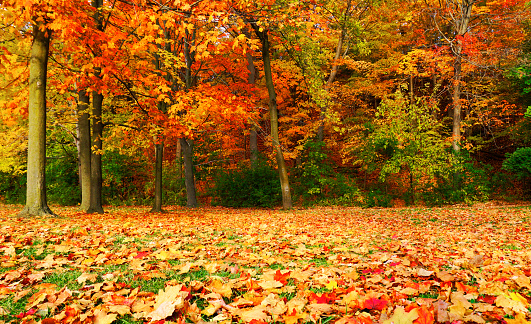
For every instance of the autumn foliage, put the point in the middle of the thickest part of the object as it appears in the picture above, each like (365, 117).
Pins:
(339, 265)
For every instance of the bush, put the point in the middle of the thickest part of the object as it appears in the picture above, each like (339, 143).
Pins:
(316, 182)
(124, 179)
(13, 187)
(519, 163)
(470, 183)
(62, 180)
(247, 186)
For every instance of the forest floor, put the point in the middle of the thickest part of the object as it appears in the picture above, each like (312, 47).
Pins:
(321, 265)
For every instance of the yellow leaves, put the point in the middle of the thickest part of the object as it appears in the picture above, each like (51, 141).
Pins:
(91, 277)
(101, 317)
(400, 316)
(167, 302)
(513, 302)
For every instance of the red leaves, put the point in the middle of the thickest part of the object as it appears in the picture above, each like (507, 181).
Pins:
(425, 316)
(282, 277)
(374, 303)
(230, 273)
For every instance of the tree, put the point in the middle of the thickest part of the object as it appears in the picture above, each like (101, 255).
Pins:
(84, 151)
(263, 35)
(36, 203)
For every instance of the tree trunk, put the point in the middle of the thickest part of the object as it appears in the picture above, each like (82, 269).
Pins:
(187, 149)
(159, 154)
(253, 138)
(97, 133)
(179, 159)
(83, 133)
(273, 115)
(335, 66)
(456, 98)
(95, 162)
(36, 203)
(465, 6)
(253, 146)
(186, 145)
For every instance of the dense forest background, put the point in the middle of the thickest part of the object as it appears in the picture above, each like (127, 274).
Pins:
(347, 102)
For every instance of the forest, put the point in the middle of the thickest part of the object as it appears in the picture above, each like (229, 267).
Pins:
(265, 103)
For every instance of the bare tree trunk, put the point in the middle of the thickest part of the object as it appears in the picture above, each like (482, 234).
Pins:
(83, 133)
(179, 159)
(159, 154)
(96, 174)
(273, 115)
(253, 138)
(36, 202)
(187, 147)
(465, 8)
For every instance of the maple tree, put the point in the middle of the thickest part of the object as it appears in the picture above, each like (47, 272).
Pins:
(144, 75)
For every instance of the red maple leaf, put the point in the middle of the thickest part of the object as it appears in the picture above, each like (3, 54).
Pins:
(280, 277)
(374, 303)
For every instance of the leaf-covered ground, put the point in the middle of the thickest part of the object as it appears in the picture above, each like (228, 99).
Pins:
(326, 265)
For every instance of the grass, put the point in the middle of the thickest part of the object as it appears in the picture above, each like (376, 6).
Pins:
(64, 278)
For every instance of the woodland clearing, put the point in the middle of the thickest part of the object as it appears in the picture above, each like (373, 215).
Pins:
(323, 265)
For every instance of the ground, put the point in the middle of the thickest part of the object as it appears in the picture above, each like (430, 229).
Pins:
(321, 265)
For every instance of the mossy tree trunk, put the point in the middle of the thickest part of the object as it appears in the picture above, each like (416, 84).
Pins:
(36, 202)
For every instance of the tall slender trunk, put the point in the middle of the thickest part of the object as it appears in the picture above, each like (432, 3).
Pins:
(96, 173)
(273, 116)
(253, 137)
(159, 154)
(465, 6)
(83, 133)
(159, 144)
(456, 99)
(187, 149)
(186, 146)
(36, 202)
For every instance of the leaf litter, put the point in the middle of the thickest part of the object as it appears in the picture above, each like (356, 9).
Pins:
(321, 265)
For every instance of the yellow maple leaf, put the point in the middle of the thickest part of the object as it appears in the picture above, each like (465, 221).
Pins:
(401, 317)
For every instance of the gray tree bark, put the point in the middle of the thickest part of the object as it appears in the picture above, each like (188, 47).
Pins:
(186, 145)
(96, 173)
(83, 134)
(189, 180)
(157, 202)
(273, 116)
(253, 137)
(36, 202)
(462, 22)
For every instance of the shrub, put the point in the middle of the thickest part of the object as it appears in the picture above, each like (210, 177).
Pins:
(124, 179)
(13, 187)
(519, 163)
(316, 182)
(62, 179)
(257, 186)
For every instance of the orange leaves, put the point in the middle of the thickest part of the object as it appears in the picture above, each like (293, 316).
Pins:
(257, 266)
